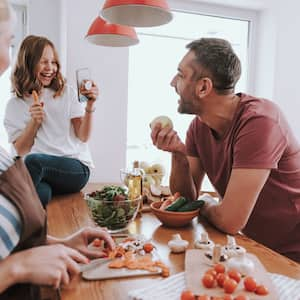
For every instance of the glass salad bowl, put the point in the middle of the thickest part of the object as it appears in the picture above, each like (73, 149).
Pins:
(111, 208)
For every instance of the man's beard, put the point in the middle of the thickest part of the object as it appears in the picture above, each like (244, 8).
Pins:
(185, 107)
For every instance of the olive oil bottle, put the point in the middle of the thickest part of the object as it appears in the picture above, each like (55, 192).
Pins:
(135, 183)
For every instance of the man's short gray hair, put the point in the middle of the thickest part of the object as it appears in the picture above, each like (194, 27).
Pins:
(216, 59)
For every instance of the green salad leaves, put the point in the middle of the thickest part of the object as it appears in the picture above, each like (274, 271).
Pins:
(111, 207)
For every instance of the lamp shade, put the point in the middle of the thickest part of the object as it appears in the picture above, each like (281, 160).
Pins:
(112, 35)
(140, 13)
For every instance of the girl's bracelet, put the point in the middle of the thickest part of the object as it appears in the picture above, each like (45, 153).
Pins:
(90, 110)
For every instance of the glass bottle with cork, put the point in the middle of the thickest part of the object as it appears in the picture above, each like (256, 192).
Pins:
(135, 183)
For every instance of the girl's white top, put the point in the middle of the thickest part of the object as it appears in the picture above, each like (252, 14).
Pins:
(56, 134)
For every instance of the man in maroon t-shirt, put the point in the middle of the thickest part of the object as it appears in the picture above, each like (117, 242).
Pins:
(242, 143)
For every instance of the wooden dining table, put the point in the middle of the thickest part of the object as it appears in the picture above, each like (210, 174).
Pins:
(69, 213)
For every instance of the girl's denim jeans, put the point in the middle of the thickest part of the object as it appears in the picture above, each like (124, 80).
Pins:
(54, 175)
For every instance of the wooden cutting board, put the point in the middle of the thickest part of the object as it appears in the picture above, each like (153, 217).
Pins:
(102, 271)
(196, 265)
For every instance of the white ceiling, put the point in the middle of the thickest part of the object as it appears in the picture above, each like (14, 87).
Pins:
(252, 4)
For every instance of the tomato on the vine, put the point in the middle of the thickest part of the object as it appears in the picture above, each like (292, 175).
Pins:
(148, 247)
(208, 281)
(261, 290)
(211, 272)
(235, 275)
(187, 295)
(221, 277)
(203, 297)
(219, 268)
(229, 285)
(250, 284)
(241, 297)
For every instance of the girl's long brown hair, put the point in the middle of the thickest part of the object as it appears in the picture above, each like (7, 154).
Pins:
(24, 79)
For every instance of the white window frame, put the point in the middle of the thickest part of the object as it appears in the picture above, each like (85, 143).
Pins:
(21, 28)
(250, 15)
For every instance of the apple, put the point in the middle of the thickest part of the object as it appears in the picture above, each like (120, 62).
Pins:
(163, 120)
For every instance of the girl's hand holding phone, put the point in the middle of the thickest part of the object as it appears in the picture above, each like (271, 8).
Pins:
(90, 90)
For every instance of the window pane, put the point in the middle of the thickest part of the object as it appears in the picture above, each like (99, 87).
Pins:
(152, 65)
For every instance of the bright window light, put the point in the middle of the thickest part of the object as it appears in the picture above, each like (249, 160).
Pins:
(152, 65)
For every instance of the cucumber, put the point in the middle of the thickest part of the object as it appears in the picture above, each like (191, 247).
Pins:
(177, 204)
(191, 206)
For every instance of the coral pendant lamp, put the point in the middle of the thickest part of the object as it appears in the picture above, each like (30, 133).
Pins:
(139, 13)
(112, 35)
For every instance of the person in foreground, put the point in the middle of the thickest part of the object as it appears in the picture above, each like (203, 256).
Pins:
(51, 128)
(28, 257)
(244, 145)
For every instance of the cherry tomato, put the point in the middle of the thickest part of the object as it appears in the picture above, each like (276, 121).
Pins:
(250, 284)
(261, 290)
(221, 277)
(229, 286)
(241, 297)
(208, 281)
(203, 297)
(235, 275)
(148, 247)
(219, 268)
(211, 272)
(96, 243)
(227, 297)
(187, 295)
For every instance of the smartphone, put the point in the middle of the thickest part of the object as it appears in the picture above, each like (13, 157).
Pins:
(82, 75)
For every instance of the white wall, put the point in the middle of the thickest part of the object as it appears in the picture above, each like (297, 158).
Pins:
(266, 55)
(287, 67)
(44, 19)
(277, 69)
(109, 68)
